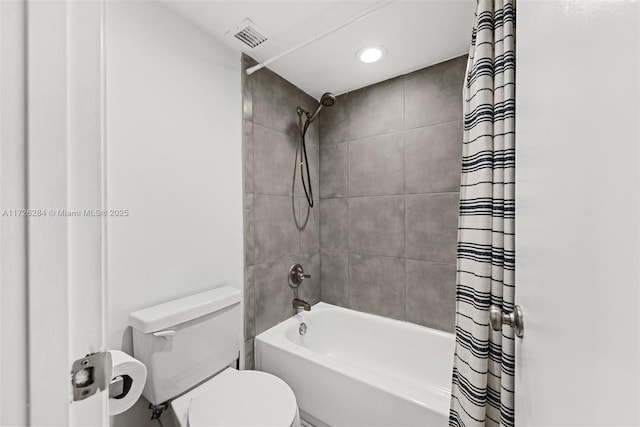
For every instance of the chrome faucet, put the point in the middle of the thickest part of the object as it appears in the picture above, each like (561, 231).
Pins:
(298, 304)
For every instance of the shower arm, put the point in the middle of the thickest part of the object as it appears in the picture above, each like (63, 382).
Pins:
(357, 17)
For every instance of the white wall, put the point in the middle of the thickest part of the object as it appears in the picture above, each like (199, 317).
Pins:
(13, 285)
(578, 196)
(173, 160)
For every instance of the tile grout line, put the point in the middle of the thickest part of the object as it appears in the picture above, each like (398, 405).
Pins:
(348, 282)
(435, 193)
(298, 228)
(404, 265)
(404, 198)
(399, 131)
(431, 261)
(453, 263)
(253, 208)
(434, 124)
(319, 218)
(255, 297)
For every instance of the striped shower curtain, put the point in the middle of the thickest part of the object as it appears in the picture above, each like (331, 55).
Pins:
(483, 372)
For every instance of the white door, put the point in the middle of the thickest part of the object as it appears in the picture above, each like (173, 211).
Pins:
(64, 180)
(577, 228)
(13, 294)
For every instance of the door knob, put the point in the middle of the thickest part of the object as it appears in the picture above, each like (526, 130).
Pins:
(515, 319)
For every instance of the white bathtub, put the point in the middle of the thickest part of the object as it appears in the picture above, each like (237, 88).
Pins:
(356, 369)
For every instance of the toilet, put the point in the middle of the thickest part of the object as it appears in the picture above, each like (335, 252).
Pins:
(190, 347)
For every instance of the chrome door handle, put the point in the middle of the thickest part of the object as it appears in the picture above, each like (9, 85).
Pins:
(515, 319)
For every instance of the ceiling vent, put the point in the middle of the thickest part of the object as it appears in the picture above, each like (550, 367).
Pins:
(248, 36)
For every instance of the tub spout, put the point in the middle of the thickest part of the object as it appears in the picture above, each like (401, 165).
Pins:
(298, 304)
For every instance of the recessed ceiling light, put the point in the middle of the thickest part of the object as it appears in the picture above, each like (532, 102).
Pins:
(371, 54)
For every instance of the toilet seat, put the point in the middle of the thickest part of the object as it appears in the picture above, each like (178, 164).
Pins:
(240, 398)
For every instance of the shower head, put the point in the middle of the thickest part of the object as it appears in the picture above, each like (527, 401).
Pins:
(326, 100)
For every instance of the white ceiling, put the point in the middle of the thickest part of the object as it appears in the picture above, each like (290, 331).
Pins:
(416, 34)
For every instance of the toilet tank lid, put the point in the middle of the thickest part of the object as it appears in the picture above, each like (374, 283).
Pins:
(182, 310)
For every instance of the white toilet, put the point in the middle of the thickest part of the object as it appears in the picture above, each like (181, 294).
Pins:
(189, 346)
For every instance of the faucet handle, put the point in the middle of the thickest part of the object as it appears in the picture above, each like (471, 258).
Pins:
(296, 275)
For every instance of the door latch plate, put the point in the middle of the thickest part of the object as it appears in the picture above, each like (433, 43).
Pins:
(90, 374)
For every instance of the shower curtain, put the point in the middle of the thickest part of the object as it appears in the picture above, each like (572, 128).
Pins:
(483, 372)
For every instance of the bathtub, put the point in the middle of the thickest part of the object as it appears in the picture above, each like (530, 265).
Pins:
(357, 369)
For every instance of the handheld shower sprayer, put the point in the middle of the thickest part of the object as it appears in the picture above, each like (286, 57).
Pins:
(326, 100)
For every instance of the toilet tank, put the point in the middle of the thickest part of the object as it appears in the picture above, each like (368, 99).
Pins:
(185, 341)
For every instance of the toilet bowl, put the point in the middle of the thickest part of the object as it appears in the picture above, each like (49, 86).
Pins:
(237, 398)
(188, 346)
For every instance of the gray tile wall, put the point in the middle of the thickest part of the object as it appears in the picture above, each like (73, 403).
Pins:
(279, 228)
(390, 157)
